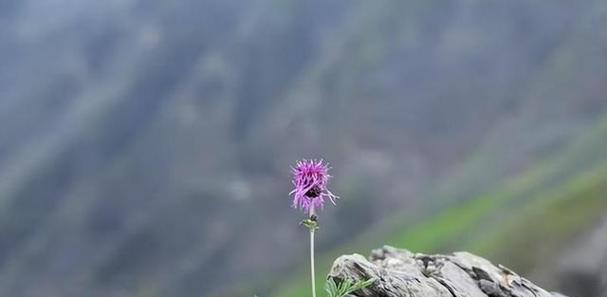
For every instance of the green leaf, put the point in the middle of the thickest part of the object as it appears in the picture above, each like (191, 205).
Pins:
(345, 287)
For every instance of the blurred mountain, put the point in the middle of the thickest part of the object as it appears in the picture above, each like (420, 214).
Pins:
(145, 145)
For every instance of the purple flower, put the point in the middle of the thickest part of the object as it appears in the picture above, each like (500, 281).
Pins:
(310, 178)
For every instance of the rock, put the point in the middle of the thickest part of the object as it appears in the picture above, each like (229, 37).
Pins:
(582, 268)
(400, 273)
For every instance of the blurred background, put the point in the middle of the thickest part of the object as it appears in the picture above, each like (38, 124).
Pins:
(145, 145)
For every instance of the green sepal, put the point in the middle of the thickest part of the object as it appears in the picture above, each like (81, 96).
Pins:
(312, 225)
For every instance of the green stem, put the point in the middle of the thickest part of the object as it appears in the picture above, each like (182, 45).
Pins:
(312, 262)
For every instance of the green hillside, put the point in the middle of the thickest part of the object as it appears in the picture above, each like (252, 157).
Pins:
(557, 198)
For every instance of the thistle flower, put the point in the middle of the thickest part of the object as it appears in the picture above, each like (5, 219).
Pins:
(310, 178)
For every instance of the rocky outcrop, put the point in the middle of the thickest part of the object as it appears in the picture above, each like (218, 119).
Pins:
(401, 273)
(582, 269)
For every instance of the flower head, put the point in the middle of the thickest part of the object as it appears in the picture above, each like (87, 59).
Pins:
(310, 178)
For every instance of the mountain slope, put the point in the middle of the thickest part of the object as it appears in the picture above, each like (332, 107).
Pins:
(145, 145)
(526, 225)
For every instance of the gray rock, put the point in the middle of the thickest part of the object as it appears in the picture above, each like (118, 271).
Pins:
(582, 268)
(400, 273)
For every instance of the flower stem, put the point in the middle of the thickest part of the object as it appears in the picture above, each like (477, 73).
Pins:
(312, 262)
